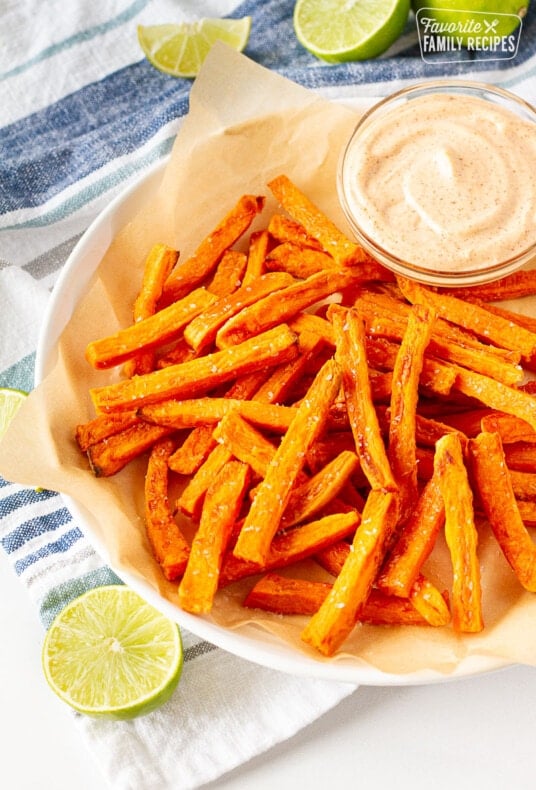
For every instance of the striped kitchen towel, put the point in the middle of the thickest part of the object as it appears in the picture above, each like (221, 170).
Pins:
(84, 115)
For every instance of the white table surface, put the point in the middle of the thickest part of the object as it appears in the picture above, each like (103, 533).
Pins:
(474, 733)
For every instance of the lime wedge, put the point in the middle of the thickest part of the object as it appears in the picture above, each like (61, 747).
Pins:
(180, 49)
(110, 654)
(10, 402)
(341, 30)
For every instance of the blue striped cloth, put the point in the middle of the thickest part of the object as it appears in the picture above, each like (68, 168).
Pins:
(84, 115)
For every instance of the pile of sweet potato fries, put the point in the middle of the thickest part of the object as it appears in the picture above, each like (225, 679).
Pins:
(316, 406)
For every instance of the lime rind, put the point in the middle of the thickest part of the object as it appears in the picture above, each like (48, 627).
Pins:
(10, 402)
(109, 654)
(180, 49)
(337, 31)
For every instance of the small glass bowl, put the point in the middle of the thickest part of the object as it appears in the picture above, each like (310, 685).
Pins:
(429, 274)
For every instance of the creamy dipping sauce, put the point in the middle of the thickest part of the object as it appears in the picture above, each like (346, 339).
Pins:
(444, 182)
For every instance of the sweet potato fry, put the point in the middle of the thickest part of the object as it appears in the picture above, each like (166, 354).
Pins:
(283, 229)
(513, 286)
(178, 353)
(298, 261)
(351, 355)
(493, 328)
(330, 626)
(180, 414)
(245, 442)
(498, 498)
(262, 520)
(191, 499)
(200, 375)
(102, 426)
(258, 248)
(229, 273)
(333, 557)
(510, 428)
(415, 542)
(288, 596)
(281, 306)
(429, 602)
(496, 395)
(148, 333)
(461, 534)
(169, 545)
(520, 456)
(309, 498)
(280, 383)
(195, 449)
(220, 509)
(201, 331)
(110, 455)
(158, 266)
(205, 259)
(293, 545)
(523, 483)
(315, 222)
(403, 411)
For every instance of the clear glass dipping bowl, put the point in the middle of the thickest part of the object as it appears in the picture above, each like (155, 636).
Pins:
(407, 268)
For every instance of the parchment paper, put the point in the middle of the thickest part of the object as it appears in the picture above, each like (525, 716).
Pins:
(245, 126)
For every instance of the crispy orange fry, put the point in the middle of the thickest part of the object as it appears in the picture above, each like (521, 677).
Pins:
(155, 330)
(201, 331)
(285, 229)
(229, 273)
(293, 545)
(102, 426)
(245, 442)
(220, 509)
(351, 355)
(523, 483)
(497, 395)
(262, 520)
(498, 498)
(200, 375)
(415, 542)
(513, 286)
(158, 266)
(191, 499)
(429, 602)
(279, 384)
(402, 423)
(281, 306)
(460, 533)
(284, 595)
(195, 449)
(482, 322)
(203, 411)
(169, 545)
(333, 557)
(331, 625)
(510, 428)
(315, 324)
(205, 259)
(315, 222)
(309, 498)
(258, 248)
(110, 455)
(179, 352)
(521, 456)
(298, 261)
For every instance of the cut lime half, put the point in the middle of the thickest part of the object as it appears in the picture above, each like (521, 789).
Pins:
(179, 50)
(342, 30)
(110, 654)
(10, 402)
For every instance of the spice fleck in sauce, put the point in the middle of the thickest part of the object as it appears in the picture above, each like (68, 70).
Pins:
(446, 183)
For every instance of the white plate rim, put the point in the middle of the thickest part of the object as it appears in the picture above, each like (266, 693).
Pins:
(248, 642)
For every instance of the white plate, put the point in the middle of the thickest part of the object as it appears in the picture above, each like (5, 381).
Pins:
(248, 641)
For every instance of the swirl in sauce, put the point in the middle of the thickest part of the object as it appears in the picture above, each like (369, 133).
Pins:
(446, 183)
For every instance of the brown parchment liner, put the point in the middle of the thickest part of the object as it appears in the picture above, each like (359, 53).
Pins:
(245, 126)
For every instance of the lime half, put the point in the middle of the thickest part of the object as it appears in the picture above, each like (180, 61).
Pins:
(180, 49)
(10, 402)
(110, 654)
(341, 30)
